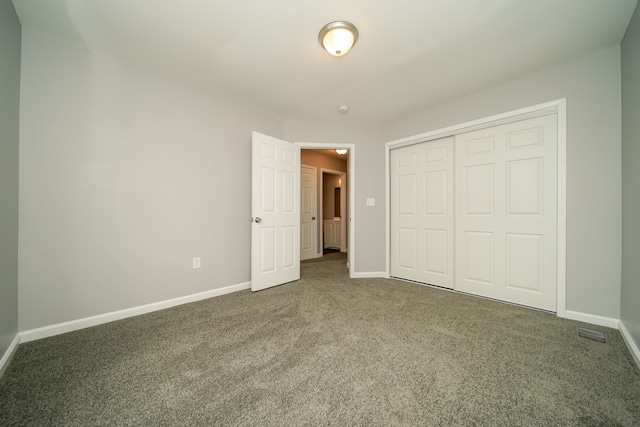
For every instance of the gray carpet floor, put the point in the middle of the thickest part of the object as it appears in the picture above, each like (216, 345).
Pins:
(326, 350)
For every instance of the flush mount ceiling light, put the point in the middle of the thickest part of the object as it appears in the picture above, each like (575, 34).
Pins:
(338, 37)
(341, 152)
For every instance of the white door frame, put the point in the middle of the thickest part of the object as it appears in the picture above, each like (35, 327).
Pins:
(343, 208)
(351, 185)
(558, 107)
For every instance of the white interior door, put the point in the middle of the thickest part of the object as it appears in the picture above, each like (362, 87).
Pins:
(308, 212)
(422, 212)
(275, 205)
(506, 209)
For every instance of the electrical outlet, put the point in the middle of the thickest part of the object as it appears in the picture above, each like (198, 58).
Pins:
(196, 262)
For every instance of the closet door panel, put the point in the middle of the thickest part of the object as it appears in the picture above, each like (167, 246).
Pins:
(506, 208)
(422, 212)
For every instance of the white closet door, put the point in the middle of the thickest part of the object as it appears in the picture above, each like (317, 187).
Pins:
(506, 208)
(422, 213)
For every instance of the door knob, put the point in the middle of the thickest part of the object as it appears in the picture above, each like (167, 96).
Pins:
(313, 218)
(258, 219)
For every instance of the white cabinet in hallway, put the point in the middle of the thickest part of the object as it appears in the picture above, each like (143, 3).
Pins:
(332, 233)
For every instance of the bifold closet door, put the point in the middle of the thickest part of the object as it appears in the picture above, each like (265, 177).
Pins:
(422, 212)
(506, 212)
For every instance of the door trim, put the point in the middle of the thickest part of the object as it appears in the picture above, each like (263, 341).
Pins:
(343, 212)
(559, 107)
(351, 185)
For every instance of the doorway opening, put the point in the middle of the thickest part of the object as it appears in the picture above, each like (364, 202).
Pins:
(334, 225)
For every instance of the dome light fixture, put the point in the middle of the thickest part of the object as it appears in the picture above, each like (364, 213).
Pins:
(341, 152)
(338, 37)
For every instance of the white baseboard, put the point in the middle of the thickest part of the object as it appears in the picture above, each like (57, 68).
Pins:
(593, 319)
(61, 328)
(8, 355)
(370, 275)
(631, 344)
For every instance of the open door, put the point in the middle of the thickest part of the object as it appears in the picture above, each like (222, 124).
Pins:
(275, 207)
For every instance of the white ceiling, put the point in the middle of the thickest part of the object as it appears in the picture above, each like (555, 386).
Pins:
(411, 54)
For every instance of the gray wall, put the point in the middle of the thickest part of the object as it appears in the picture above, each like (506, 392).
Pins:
(9, 125)
(124, 178)
(630, 305)
(592, 88)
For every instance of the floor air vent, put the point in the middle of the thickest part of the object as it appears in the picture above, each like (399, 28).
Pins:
(590, 334)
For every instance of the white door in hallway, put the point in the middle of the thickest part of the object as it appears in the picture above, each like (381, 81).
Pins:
(422, 212)
(308, 212)
(275, 207)
(506, 212)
